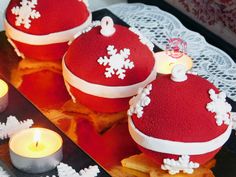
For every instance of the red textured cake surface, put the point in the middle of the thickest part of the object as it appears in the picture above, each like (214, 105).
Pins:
(52, 52)
(86, 50)
(55, 16)
(158, 157)
(101, 104)
(178, 111)
(82, 57)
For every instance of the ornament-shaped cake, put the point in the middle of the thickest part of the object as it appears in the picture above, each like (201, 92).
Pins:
(180, 120)
(41, 29)
(106, 64)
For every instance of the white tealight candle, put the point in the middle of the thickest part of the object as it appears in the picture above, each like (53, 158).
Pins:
(3, 95)
(165, 63)
(36, 150)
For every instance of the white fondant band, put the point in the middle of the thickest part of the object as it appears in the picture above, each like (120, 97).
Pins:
(19, 54)
(178, 73)
(175, 147)
(104, 91)
(52, 38)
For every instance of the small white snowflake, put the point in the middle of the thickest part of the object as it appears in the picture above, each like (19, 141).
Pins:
(25, 12)
(182, 164)
(142, 38)
(139, 101)
(12, 126)
(117, 62)
(65, 170)
(220, 107)
(91, 171)
(87, 29)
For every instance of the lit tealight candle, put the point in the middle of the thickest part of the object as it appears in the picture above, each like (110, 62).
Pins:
(36, 150)
(173, 55)
(165, 63)
(3, 95)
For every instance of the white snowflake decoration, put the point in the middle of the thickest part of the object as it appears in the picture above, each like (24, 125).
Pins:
(142, 39)
(87, 29)
(220, 107)
(12, 126)
(139, 101)
(182, 164)
(65, 170)
(91, 171)
(25, 12)
(117, 62)
(3, 173)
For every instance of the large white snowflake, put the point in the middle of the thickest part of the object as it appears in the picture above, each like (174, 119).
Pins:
(117, 62)
(182, 164)
(142, 38)
(138, 102)
(25, 12)
(65, 170)
(220, 107)
(12, 126)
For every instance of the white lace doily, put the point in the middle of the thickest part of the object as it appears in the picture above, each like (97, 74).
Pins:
(159, 26)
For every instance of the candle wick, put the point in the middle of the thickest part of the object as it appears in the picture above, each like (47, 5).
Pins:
(37, 143)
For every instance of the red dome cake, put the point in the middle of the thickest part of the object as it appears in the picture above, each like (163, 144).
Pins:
(106, 64)
(41, 29)
(181, 120)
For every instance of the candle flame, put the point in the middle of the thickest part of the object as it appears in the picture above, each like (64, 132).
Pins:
(37, 136)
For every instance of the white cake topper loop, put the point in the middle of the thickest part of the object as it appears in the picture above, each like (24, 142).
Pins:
(107, 26)
(178, 73)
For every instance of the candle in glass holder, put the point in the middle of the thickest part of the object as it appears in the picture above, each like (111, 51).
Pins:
(174, 54)
(3, 95)
(36, 150)
(165, 63)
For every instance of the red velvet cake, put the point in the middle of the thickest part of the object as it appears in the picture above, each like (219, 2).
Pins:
(106, 64)
(41, 29)
(180, 120)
